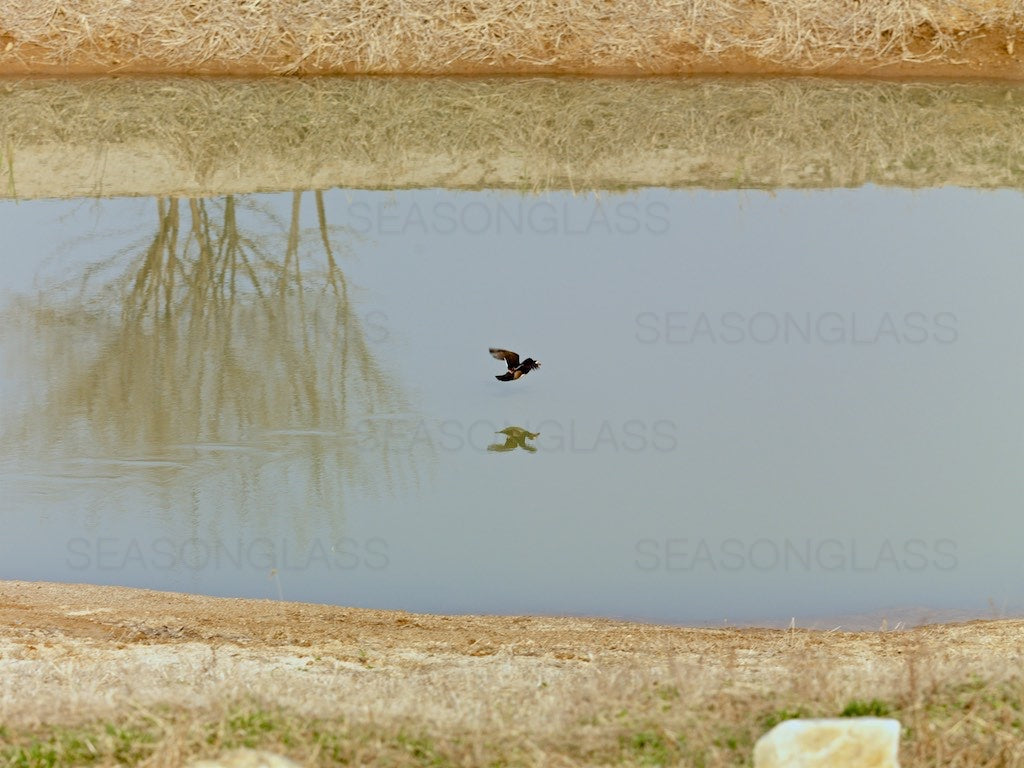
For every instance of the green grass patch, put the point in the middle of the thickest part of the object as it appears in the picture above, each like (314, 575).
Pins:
(873, 708)
(86, 746)
(771, 719)
(649, 748)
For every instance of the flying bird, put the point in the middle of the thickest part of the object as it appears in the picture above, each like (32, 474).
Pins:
(515, 368)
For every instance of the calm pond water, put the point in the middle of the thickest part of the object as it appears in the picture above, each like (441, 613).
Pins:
(752, 405)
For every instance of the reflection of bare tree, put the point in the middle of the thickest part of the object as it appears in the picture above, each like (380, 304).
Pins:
(219, 343)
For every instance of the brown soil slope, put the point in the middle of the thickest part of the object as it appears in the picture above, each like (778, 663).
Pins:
(124, 643)
(115, 676)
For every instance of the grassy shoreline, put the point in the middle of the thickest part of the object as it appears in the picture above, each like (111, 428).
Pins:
(946, 37)
(109, 675)
(649, 728)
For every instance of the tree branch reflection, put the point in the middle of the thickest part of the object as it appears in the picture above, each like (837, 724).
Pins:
(212, 340)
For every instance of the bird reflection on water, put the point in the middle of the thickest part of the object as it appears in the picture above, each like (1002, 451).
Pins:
(515, 437)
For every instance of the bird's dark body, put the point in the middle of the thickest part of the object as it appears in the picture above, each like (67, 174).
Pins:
(516, 369)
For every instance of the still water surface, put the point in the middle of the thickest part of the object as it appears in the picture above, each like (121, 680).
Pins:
(752, 406)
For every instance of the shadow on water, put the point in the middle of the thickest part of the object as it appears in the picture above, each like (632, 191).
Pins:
(209, 351)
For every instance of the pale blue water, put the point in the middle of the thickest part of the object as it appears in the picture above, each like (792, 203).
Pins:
(752, 406)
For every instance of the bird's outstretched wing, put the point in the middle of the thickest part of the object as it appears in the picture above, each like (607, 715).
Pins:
(510, 358)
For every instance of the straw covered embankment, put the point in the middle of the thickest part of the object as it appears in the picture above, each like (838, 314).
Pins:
(880, 37)
(113, 676)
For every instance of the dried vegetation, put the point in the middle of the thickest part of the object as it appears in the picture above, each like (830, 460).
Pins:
(449, 36)
(103, 676)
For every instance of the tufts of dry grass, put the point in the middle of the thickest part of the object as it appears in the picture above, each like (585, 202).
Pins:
(158, 679)
(210, 136)
(507, 712)
(438, 36)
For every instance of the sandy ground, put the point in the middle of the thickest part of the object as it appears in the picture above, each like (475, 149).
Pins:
(74, 651)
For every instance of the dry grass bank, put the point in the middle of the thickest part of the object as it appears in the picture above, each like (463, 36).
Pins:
(106, 675)
(947, 37)
(118, 136)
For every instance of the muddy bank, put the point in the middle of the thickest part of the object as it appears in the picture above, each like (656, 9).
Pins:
(966, 38)
(132, 136)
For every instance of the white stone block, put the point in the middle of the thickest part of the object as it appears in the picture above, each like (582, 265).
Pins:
(843, 742)
(246, 758)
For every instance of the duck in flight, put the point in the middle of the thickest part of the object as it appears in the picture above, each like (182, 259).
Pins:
(515, 368)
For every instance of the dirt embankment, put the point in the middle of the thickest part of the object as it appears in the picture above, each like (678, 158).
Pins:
(108, 675)
(120, 644)
(892, 38)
